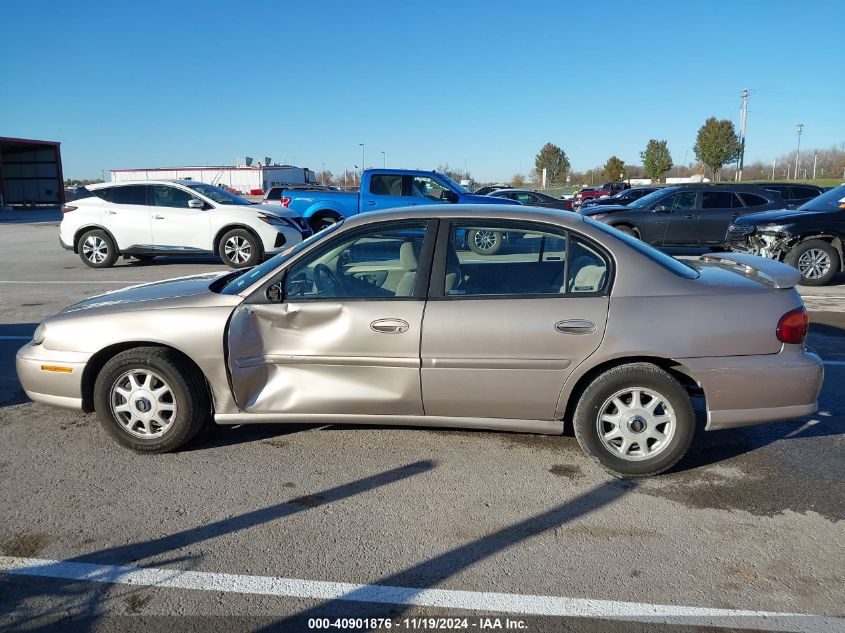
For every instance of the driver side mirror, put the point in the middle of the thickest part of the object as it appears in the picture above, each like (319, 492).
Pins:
(449, 196)
(194, 203)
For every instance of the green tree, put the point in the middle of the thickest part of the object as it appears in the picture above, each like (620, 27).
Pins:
(613, 169)
(518, 181)
(656, 159)
(716, 144)
(553, 159)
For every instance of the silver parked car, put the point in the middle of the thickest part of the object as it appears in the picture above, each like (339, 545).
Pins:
(390, 318)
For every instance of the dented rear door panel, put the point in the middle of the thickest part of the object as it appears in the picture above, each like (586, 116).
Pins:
(356, 357)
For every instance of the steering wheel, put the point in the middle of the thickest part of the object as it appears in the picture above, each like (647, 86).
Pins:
(326, 281)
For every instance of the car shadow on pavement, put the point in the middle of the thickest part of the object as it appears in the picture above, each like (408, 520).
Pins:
(79, 607)
(11, 392)
(379, 599)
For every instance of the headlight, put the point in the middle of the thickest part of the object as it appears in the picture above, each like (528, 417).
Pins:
(274, 220)
(38, 336)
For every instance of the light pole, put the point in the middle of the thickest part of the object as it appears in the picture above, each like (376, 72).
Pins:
(362, 160)
(383, 160)
(799, 129)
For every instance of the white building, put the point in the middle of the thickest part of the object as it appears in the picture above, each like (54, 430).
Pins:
(245, 179)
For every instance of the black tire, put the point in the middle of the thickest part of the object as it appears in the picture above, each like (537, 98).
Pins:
(614, 382)
(186, 390)
(97, 249)
(809, 258)
(240, 249)
(627, 230)
(485, 242)
(321, 222)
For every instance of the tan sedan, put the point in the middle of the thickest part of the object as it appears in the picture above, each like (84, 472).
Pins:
(391, 318)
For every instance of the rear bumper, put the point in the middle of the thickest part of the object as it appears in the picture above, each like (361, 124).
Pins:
(37, 372)
(746, 390)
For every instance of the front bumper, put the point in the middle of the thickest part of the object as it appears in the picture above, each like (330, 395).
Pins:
(51, 377)
(747, 390)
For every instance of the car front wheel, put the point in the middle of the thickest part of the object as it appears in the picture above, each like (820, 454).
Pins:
(816, 260)
(240, 249)
(149, 400)
(636, 419)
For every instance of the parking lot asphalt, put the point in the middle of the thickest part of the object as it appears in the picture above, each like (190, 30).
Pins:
(752, 519)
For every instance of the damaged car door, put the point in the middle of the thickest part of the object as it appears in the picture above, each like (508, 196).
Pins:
(339, 330)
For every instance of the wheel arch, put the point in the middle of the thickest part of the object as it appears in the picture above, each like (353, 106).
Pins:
(571, 393)
(96, 363)
(77, 236)
(629, 224)
(215, 245)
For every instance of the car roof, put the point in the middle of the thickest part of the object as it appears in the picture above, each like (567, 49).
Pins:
(514, 190)
(118, 183)
(468, 211)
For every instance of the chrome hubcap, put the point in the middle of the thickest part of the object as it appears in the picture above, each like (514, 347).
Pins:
(484, 240)
(95, 249)
(636, 424)
(237, 249)
(143, 403)
(814, 263)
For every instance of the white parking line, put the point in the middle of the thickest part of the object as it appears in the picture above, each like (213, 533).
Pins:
(441, 598)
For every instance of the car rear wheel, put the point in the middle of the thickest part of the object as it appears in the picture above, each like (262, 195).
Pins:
(816, 260)
(636, 419)
(97, 249)
(149, 401)
(322, 222)
(240, 249)
(484, 242)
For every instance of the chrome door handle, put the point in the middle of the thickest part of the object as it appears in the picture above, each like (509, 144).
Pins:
(158, 217)
(575, 326)
(389, 326)
(690, 217)
(110, 212)
(371, 203)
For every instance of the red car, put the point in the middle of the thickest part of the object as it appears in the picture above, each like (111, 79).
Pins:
(607, 189)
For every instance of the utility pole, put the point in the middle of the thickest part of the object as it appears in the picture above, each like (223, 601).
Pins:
(774, 164)
(383, 160)
(815, 162)
(799, 130)
(362, 162)
(743, 120)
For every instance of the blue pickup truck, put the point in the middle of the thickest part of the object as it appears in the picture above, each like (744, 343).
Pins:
(380, 189)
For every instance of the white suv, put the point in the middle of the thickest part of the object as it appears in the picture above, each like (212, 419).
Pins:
(158, 217)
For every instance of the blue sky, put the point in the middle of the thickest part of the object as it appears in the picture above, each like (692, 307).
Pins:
(125, 84)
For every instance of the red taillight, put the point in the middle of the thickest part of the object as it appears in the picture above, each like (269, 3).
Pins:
(285, 202)
(793, 326)
(67, 208)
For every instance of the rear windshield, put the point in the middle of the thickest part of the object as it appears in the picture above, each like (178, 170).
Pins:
(681, 269)
(833, 199)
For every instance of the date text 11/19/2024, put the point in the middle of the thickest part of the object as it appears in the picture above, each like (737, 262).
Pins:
(418, 624)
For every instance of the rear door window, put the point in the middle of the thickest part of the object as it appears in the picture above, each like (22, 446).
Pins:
(716, 200)
(803, 193)
(130, 194)
(753, 200)
(386, 185)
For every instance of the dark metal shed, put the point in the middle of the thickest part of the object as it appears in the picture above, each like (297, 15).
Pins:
(30, 172)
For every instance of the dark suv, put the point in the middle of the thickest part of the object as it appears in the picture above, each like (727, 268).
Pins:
(687, 215)
(794, 195)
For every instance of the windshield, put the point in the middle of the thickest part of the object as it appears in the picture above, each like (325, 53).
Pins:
(676, 266)
(248, 276)
(220, 196)
(833, 199)
(457, 187)
(648, 199)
